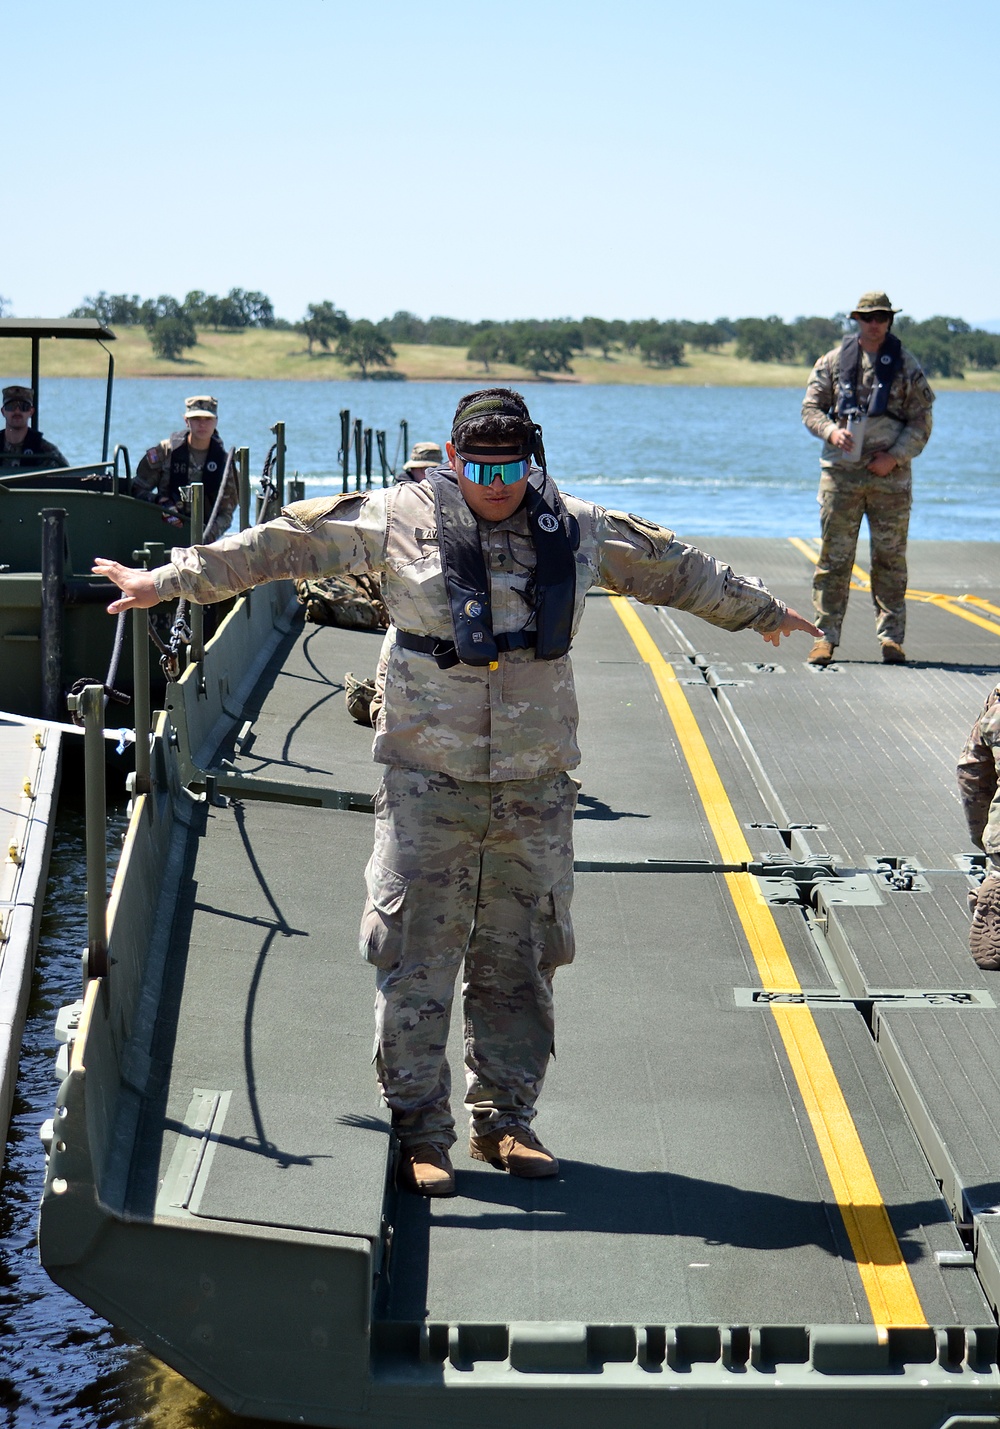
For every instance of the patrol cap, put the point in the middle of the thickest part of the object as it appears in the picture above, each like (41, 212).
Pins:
(200, 407)
(424, 454)
(18, 394)
(873, 303)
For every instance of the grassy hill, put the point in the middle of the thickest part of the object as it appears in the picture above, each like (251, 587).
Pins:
(261, 353)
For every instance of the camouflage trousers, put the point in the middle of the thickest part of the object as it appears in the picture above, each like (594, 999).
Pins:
(843, 501)
(477, 872)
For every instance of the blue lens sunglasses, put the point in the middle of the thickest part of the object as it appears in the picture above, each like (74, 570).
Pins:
(484, 473)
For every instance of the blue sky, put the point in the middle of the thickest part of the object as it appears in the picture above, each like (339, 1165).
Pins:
(531, 158)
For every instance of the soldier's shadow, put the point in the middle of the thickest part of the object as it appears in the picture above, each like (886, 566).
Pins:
(588, 807)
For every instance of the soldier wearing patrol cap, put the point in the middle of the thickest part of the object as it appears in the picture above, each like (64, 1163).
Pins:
(194, 454)
(24, 447)
(870, 404)
(484, 566)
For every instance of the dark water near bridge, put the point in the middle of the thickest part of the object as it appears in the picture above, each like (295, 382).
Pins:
(713, 460)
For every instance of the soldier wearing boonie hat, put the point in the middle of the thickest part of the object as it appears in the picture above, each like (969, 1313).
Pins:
(484, 567)
(23, 446)
(194, 454)
(869, 402)
(423, 455)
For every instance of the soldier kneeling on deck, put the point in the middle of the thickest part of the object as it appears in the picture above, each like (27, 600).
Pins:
(484, 566)
(977, 785)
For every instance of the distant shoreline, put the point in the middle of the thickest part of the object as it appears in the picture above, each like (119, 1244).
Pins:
(257, 354)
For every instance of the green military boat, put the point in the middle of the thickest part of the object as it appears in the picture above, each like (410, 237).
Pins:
(775, 1098)
(53, 522)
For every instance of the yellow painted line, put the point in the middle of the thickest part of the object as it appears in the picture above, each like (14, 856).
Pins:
(861, 580)
(886, 1279)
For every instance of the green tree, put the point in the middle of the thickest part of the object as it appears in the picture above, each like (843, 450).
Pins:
(661, 346)
(323, 323)
(764, 339)
(814, 336)
(363, 346)
(486, 347)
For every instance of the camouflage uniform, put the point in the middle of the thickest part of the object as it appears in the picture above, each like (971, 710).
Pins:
(33, 454)
(978, 786)
(152, 481)
(473, 840)
(848, 491)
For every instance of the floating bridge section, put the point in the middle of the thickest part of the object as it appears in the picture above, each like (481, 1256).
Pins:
(776, 1089)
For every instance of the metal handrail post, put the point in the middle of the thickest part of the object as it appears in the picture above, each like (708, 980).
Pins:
(278, 432)
(142, 703)
(89, 704)
(243, 463)
(53, 591)
(357, 453)
(107, 404)
(345, 443)
(368, 458)
(196, 650)
(383, 459)
(404, 428)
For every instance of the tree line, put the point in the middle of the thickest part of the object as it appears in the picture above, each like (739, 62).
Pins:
(944, 346)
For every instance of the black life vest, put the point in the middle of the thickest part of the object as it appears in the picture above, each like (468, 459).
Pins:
(887, 363)
(34, 444)
(555, 536)
(211, 472)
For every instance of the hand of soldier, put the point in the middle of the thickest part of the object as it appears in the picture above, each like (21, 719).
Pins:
(842, 439)
(137, 587)
(793, 621)
(984, 934)
(881, 464)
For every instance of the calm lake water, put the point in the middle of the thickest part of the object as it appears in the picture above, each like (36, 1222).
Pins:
(717, 460)
(721, 461)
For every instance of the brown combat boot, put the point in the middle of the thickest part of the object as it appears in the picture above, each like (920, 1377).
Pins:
(821, 653)
(893, 653)
(426, 1170)
(515, 1149)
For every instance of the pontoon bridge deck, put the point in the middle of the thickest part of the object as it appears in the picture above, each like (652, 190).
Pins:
(775, 1097)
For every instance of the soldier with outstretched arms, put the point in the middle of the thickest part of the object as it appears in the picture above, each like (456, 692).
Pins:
(484, 566)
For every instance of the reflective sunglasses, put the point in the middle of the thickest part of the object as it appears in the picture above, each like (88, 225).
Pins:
(484, 473)
(874, 317)
(17, 406)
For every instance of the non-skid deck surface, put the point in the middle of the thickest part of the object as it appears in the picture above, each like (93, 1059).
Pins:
(692, 1186)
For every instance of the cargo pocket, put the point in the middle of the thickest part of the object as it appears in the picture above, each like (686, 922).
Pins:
(560, 944)
(382, 921)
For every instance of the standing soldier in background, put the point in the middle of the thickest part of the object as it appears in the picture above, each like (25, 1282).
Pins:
(23, 447)
(484, 567)
(870, 404)
(193, 454)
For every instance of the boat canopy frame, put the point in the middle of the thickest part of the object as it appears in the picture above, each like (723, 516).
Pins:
(87, 329)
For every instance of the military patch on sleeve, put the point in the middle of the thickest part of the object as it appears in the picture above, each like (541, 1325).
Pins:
(659, 537)
(924, 388)
(153, 456)
(310, 513)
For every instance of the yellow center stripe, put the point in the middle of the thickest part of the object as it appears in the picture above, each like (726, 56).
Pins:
(952, 604)
(884, 1275)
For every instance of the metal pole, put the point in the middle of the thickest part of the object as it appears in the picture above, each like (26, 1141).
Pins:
(196, 650)
(404, 427)
(107, 406)
(368, 457)
(140, 683)
(383, 459)
(357, 453)
(34, 379)
(89, 703)
(243, 462)
(53, 594)
(345, 441)
(278, 432)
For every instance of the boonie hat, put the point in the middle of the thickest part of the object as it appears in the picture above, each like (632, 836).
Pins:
(200, 407)
(18, 394)
(424, 454)
(873, 303)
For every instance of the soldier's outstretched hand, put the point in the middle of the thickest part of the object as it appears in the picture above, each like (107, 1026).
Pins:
(136, 586)
(794, 621)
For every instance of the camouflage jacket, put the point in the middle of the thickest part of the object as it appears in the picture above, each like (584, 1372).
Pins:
(152, 481)
(33, 454)
(978, 778)
(902, 430)
(517, 721)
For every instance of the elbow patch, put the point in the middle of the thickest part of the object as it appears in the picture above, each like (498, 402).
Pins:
(310, 514)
